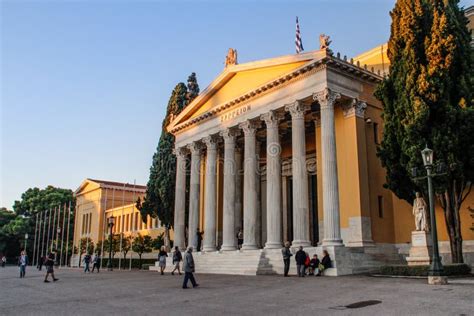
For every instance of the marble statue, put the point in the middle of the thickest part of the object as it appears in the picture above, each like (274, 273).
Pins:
(419, 210)
(324, 41)
(231, 58)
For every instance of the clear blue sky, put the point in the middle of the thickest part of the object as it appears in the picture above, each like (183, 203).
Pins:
(85, 84)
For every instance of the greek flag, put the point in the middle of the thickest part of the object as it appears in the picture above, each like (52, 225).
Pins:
(298, 41)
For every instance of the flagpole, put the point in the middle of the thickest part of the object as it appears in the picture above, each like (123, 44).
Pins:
(104, 227)
(53, 233)
(62, 236)
(38, 251)
(49, 230)
(58, 226)
(121, 226)
(34, 243)
(67, 235)
(44, 231)
(133, 224)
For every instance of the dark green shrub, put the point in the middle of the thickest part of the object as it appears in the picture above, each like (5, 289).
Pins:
(126, 263)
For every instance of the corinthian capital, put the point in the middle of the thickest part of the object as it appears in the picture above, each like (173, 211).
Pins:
(195, 148)
(229, 134)
(271, 119)
(249, 127)
(297, 109)
(211, 142)
(326, 97)
(180, 151)
(355, 107)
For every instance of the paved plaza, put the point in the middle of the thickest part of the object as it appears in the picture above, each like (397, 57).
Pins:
(148, 293)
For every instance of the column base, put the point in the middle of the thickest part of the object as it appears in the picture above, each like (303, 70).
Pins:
(332, 242)
(298, 243)
(209, 249)
(228, 248)
(249, 247)
(273, 245)
(437, 280)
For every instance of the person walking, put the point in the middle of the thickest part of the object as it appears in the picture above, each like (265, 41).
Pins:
(96, 263)
(188, 267)
(49, 263)
(286, 253)
(162, 259)
(177, 258)
(22, 262)
(87, 261)
(4, 261)
(199, 239)
(40, 263)
(300, 258)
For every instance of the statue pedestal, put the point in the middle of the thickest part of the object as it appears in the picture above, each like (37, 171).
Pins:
(421, 249)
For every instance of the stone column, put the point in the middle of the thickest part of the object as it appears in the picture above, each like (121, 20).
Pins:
(250, 185)
(194, 193)
(332, 229)
(210, 206)
(258, 226)
(228, 242)
(180, 198)
(274, 227)
(300, 176)
(238, 191)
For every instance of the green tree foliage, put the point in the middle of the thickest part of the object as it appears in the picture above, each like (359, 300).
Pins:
(12, 232)
(159, 241)
(159, 199)
(36, 200)
(142, 244)
(14, 225)
(427, 100)
(126, 245)
(115, 244)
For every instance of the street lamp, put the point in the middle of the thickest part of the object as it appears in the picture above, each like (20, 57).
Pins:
(111, 223)
(435, 273)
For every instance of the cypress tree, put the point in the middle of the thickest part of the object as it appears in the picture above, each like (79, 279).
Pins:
(159, 199)
(427, 100)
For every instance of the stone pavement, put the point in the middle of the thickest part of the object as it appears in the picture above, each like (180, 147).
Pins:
(148, 293)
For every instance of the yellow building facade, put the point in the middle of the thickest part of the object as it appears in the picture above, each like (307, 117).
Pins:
(284, 149)
(97, 200)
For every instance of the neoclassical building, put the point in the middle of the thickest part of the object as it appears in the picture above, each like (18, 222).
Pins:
(285, 149)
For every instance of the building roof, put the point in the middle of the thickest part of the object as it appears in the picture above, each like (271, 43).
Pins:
(253, 79)
(104, 184)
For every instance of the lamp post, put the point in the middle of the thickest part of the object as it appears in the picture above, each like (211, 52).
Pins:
(111, 223)
(435, 273)
(26, 241)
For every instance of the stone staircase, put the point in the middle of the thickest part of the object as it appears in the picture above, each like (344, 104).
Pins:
(346, 260)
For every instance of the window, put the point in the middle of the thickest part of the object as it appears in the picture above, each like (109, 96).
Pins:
(380, 205)
(376, 133)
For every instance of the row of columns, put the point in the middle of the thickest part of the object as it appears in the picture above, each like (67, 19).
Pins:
(332, 235)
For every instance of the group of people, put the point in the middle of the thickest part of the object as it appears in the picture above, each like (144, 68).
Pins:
(188, 264)
(304, 264)
(48, 261)
(95, 263)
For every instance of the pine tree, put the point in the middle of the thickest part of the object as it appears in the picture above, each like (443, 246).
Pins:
(159, 199)
(427, 101)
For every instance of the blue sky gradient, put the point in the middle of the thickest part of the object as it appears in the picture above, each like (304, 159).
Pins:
(85, 84)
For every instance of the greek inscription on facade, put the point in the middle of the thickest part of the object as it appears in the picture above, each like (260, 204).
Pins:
(234, 113)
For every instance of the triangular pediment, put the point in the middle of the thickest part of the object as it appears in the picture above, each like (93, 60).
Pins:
(239, 80)
(86, 186)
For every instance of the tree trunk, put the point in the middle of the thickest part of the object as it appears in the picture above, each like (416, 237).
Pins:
(451, 201)
(139, 261)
